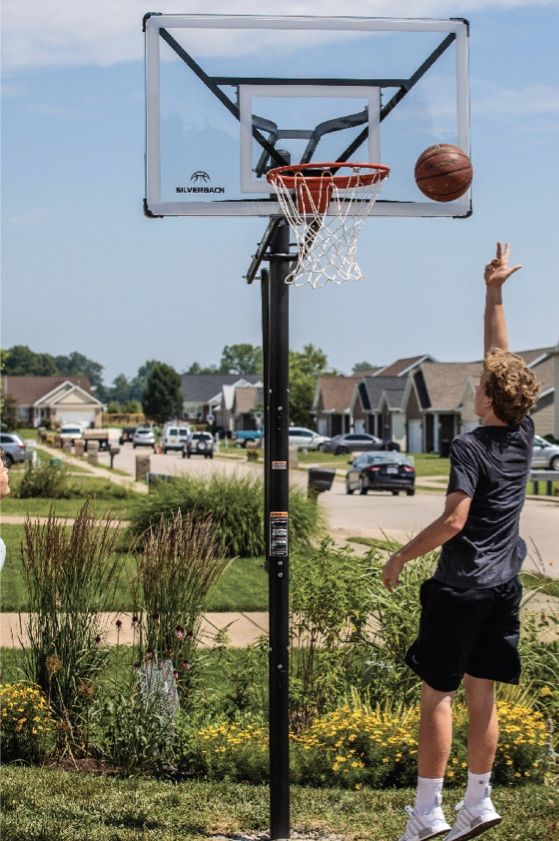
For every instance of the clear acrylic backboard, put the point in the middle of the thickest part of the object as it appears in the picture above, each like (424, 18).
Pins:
(230, 97)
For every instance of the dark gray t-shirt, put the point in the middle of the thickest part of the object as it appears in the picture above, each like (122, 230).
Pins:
(491, 465)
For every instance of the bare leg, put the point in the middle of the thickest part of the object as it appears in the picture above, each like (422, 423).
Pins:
(435, 732)
(483, 731)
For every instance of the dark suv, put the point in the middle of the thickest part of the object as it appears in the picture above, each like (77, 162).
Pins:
(199, 444)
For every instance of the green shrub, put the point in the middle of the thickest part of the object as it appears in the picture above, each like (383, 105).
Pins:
(235, 504)
(26, 734)
(329, 611)
(44, 480)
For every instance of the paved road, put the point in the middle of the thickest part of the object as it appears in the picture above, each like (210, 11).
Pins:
(377, 513)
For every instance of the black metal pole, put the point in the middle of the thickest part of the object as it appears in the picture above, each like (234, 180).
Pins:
(277, 550)
(265, 293)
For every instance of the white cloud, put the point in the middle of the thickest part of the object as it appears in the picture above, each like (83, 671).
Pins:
(31, 216)
(523, 101)
(105, 32)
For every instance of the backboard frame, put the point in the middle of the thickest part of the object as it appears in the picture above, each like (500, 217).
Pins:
(157, 26)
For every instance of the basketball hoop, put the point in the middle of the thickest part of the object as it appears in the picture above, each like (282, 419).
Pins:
(326, 209)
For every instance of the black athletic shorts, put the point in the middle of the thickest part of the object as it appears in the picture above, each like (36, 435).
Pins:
(467, 631)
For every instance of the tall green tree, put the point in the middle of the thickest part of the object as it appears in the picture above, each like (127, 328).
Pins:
(163, 397)
(21, 361)
(305, 367)
(243, 358)
(120, 389)
(76, 363)
(139, 382)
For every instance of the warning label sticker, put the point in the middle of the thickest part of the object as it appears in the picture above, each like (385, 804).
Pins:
(279, 533)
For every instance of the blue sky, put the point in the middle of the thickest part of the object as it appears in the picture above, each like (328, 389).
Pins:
(82, 269)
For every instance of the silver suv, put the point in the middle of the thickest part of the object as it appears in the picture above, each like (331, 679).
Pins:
(15, 450)
(199, 444)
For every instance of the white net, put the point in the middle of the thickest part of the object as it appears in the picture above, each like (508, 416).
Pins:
(327, 220)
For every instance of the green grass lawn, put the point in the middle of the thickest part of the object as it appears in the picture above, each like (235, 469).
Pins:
(42, 805)
(243, 586)
(119, 509)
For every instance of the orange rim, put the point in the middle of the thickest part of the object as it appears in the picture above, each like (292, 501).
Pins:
(290, 175)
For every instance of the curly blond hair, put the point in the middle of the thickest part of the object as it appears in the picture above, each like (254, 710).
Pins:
(511, 385)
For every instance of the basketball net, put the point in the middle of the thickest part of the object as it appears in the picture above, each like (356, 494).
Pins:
(326, 212)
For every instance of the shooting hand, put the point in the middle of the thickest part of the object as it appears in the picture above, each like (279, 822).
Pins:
(497, 271)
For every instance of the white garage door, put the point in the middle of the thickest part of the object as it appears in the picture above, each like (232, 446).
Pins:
(84, 416)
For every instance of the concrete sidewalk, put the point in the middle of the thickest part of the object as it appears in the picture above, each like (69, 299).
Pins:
(242, 628)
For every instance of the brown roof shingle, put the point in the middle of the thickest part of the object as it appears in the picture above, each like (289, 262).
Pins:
(445, 382)
(336, 392)
(27, 390)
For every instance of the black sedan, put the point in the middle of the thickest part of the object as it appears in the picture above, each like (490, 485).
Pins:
(357, 442)
(381, 472)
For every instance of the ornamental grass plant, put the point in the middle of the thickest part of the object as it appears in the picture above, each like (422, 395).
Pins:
(234, 503)
(70, 573)
(181, 559)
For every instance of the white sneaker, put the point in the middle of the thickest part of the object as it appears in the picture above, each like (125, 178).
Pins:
(473, 820)
(422, 827)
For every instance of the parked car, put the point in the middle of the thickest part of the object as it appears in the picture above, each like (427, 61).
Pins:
(15, 450)
(174, 437)
(143, 437)
(545, 454)
(358, 442)
(71, 432)
(306, 439)
(381, 472)
(244, 435)
(126, 434)
(199, 444)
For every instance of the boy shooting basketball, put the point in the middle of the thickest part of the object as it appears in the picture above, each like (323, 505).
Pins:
(469, 623)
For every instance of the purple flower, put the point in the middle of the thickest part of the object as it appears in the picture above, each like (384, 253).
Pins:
(118, 624)
(97, 640)
(179, 632)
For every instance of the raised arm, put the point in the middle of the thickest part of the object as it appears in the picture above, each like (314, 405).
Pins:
(496, 273)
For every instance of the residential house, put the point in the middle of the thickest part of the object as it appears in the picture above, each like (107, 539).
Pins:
(403, 367)
(378, 407)
(248, 407)
(213, 395)
(332, 404)
(545, 364)
(433, 404)
(53, 401)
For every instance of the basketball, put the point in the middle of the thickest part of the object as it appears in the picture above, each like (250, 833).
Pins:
(443, 172)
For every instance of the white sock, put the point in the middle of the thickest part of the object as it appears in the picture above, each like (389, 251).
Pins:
(427, 794)
(477, 788)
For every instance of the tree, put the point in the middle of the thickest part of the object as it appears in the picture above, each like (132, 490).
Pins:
(241, 359)
(21, 361)
(139, 382)
(362, 366)
(305, 368)
(120, 389)
(196, 368)
(76, 363)
(163, 398)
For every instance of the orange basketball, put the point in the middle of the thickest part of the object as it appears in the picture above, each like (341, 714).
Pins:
(443, 172)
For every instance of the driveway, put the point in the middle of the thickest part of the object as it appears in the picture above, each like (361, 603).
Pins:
(374, 515)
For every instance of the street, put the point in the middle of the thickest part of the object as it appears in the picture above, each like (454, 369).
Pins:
(374, 515)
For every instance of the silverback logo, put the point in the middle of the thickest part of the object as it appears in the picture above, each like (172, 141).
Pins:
(200, 176)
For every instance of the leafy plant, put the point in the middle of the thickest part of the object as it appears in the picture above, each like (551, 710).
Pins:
(27, 730)
(330, 606)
